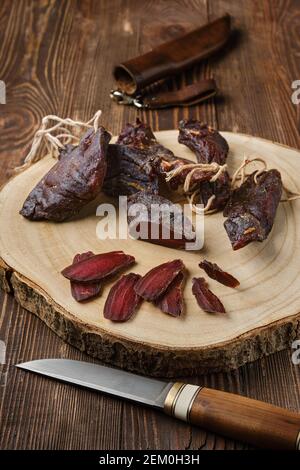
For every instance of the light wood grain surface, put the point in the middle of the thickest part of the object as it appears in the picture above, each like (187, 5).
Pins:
(56, 57)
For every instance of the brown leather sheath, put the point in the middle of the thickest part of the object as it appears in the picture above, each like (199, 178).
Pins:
(172, 57)
(186, 96)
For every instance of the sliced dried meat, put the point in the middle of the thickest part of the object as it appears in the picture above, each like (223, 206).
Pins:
(82, 291)
(75, 180)
(122, 300)
(151, 286)
(98, 266)
(216, 273)
(206, 299)
(171, 301)
(252, 208)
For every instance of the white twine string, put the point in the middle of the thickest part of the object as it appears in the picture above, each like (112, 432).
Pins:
(187, 185)
(194, 167)
(240, 175)
(55, 142)
(206, 209)
(292, 197)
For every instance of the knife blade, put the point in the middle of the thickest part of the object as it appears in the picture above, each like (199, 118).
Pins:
(258, 423)
(115, 382)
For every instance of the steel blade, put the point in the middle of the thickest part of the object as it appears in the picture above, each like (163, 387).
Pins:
(115, 382)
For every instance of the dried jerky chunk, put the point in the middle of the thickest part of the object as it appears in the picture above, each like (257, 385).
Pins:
(219, 189)
(207, 143)
(129, 171)
(131, 161)
(167, 226)
(75, 180)
(139, 163)
(216, 273)
(206, 299)
(252, 208)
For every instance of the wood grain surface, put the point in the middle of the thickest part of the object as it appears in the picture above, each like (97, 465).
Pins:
(57, 57)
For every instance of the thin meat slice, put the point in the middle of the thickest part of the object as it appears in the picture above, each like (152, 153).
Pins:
(171, 301)
(151, 286)
(82, 291)
(216, 273)
(98, 267)
(122, 300)
(206, 299)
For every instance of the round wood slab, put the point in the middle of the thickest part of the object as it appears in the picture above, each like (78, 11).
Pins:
(262, 315)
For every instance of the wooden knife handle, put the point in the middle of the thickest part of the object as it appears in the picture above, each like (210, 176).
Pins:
(237, 417)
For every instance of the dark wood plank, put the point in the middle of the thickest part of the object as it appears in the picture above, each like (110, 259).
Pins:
(56, 57)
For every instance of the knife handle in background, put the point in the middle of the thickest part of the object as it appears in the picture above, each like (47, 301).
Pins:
(256, 422)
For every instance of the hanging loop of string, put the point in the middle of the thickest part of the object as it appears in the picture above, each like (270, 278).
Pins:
(240, 175)
(188, 182)
(206, 209)
(56, 136)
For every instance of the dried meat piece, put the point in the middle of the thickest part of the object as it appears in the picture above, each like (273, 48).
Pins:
(216, 273)
(209, 146)
(170, 227)
(122, 300)
(138, 135)
(252, 208)
(151, 286)
(129, 171)
(131, 161)
(82, 291)
(206, 299)
(171, 301)
(138, 162)
(98, 266)
(74, 181)
(220, 189)
(207, 143)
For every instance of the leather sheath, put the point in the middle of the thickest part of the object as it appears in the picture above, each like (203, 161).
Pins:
(172, 57)
(188, 95)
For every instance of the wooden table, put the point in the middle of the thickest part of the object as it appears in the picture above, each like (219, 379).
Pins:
(56, 57)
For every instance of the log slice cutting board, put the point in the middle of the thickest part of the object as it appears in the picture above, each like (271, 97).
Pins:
(262, 315)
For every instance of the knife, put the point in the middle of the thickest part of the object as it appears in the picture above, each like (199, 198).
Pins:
(234, 416)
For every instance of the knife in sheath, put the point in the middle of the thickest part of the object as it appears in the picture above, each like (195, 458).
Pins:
(134, 76)
(234, 416)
